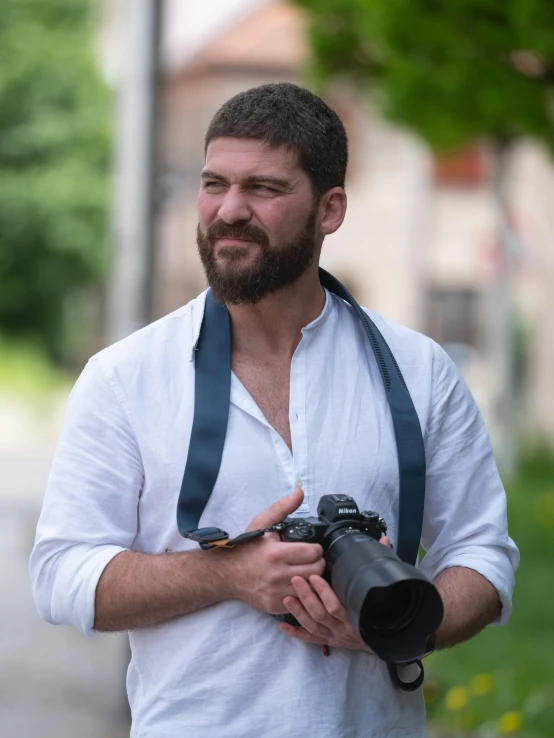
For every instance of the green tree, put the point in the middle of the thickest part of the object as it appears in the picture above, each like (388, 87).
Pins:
(53, 159)
(452, 71)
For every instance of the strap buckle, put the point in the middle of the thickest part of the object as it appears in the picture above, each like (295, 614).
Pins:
(218, 538)
(208, 537)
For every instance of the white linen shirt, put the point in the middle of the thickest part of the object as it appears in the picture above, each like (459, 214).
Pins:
(115, 483)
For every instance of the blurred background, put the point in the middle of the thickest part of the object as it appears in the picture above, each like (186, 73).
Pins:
(449, 108)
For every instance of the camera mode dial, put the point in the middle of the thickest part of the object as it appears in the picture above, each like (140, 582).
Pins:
(301, 531)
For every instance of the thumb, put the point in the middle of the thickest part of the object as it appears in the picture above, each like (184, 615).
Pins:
(278, 511)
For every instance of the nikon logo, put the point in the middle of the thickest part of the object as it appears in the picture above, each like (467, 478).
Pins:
(347, 511)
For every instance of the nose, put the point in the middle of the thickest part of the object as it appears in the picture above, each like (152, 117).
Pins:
(234, 206)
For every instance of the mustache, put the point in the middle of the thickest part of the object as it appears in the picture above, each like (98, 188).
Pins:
(245, 231)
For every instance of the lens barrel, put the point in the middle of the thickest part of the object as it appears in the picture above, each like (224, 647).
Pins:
(392, 605)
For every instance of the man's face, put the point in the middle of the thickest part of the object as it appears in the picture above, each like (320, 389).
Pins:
(257, 220)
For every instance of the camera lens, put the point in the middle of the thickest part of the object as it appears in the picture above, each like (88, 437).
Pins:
(391, 608)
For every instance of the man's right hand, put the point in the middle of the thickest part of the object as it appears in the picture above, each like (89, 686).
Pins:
(260, 572)
(138, 590)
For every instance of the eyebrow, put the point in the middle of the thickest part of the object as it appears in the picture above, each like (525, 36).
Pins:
(265, 179)
(254, 179)
(207, 174)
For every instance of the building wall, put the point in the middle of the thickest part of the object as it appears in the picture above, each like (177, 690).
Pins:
(381, 248)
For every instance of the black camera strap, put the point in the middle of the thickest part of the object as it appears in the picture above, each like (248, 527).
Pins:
(211, 411)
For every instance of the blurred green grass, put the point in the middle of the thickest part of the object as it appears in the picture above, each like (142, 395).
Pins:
(26, 373)
(515, 695)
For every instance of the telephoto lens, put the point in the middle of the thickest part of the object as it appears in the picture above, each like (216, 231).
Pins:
(392, 605)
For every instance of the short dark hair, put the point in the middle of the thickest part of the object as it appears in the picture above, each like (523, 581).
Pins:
(284, 114)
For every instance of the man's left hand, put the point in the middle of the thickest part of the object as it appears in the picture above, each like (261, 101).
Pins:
(322, 617)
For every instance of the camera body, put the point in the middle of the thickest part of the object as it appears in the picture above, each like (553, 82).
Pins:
(391, 604)
(334, 512)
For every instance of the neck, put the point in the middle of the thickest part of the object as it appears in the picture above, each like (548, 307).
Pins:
(273, 326)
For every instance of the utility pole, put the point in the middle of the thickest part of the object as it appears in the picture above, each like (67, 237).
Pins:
(502, 317)
(129, 298)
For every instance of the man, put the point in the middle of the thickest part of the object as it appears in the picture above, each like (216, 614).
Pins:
(308, 417)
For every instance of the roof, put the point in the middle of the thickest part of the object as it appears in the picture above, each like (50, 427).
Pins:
(266, 33)
(269, 37)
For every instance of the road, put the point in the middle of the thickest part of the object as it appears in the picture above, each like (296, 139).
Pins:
(54, 682)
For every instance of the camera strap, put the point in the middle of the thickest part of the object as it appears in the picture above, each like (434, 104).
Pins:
(217, 538)
(212, 394)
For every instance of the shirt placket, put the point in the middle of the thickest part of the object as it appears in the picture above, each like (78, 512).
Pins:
(297, 421)
(285, 466)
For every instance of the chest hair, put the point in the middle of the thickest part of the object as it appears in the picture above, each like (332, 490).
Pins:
(268, 383)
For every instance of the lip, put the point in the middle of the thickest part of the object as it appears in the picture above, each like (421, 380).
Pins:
(233, 241)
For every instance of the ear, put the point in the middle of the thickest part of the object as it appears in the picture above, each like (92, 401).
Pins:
(332, 209)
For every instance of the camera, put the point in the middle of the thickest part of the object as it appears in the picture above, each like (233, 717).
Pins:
(393, 606)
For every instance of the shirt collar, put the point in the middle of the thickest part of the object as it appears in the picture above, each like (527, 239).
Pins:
(322, 317)
(198, 313)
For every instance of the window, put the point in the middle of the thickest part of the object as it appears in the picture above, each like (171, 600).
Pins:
(452, 316)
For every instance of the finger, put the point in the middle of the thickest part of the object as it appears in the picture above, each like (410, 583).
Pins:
(385, 540)
(309, 570)
(302, 634)
(296, 608)
(329, 599)
(305, 572)
(278, 511)
(301, 553)
(309, 600)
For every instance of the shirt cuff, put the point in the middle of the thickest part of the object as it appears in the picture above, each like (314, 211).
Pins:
(74, 592)
(489, 561)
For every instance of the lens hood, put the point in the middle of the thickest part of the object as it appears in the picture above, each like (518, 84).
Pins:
(392, 605)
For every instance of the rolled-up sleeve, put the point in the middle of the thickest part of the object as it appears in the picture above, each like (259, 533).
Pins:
(465, 520)
(89, 513)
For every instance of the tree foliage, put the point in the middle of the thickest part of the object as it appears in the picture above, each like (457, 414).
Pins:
(452, 71)
(53, 160)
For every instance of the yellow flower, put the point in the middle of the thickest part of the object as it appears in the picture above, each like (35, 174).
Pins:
(510, 722)
(480, 684)
(456, 698)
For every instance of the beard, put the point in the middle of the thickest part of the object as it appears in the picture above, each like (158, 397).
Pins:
(237, 278)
